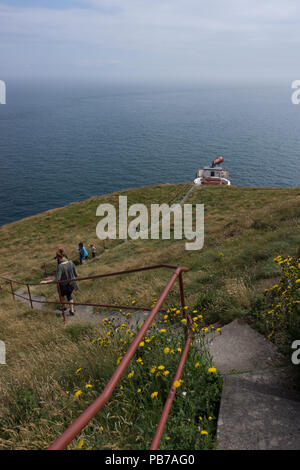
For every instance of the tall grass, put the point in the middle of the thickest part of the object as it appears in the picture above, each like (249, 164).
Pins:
(54, 373)
(245, 228)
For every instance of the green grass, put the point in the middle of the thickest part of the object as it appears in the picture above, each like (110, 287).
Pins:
(47, 365)
(245, 228)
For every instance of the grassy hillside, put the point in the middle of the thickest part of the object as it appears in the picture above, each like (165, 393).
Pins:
(245, 229)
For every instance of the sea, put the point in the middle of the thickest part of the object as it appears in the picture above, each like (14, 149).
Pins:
(62, 142)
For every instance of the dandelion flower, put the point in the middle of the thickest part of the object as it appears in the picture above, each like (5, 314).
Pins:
(166, 350)
(78, 393)
(204, 433)
(176, 384)
(154, 394)
(131, 374)
(89, 386)
(161, 367)
(197, 365)
(212, 370)
(80, 444)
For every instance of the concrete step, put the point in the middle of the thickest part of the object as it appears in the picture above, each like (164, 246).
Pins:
(258, 413)
(241, 349)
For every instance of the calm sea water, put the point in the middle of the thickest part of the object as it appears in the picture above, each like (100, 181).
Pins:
(63, 142)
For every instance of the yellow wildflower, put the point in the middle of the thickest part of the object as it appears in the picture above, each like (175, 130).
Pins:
(80, 444)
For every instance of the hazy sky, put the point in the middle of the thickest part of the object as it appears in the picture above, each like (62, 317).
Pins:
(160, 40)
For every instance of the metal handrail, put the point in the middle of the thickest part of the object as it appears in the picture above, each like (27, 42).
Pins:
(69, 434)
(98, 276)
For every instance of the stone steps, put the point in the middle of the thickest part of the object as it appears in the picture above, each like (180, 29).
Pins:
(260, 403)
(256, 416)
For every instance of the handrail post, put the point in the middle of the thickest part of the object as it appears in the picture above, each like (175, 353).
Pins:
(12, 290)
(168, 404)
(61, 301)
(29, 295)
(182, 297)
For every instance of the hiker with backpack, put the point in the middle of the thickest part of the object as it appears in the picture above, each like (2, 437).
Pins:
(66, 271)
(83, 254)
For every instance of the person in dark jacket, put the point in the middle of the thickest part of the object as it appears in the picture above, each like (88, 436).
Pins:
(66, 271)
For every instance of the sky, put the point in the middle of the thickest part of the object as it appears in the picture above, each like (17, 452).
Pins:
(195, 41)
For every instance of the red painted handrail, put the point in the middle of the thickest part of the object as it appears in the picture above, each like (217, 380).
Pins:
(74, 429)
